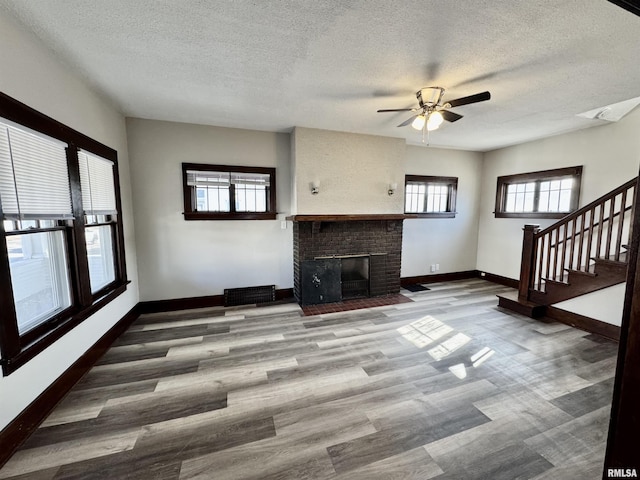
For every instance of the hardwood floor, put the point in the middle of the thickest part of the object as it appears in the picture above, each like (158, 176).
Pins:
(445, 387)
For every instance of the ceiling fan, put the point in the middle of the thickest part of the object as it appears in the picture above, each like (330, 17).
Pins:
(432, 112)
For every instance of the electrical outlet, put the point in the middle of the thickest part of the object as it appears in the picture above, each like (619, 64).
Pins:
(283, 224)
(437, 267)
(433, 268)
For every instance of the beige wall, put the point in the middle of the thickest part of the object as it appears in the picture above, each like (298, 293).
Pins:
(450, 243)
(610, 155)
(179, 258)
(31, 74)
(201, 258)
(605, 305)
(354, 172)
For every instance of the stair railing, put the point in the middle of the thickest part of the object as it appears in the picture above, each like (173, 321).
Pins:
(597, 230)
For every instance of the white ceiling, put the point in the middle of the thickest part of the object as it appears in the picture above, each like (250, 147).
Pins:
(275, 64)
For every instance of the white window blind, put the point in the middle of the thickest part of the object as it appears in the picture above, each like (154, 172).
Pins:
(197, 178)
(34, 178)
(250, 179)
(96, 182)
(207, 179)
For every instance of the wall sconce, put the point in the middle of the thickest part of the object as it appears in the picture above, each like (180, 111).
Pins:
(392, 188)
(315, 187)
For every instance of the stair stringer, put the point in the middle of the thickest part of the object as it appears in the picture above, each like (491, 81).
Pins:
(607, 273)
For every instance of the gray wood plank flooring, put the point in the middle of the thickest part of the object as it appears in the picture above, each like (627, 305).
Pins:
(444, 387)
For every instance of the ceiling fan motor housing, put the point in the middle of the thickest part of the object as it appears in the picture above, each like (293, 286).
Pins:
(429, 96)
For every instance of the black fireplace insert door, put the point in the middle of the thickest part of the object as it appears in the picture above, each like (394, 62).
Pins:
(321, 281)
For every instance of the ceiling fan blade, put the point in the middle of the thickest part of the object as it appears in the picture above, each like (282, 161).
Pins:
(450, 116)
(478, 97)
(408, 121)
(397, 110)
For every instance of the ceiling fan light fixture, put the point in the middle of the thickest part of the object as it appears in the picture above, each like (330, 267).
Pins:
(418, 122)
(433, 112)
(434, 121)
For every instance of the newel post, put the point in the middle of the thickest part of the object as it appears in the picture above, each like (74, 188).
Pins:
(528, 260)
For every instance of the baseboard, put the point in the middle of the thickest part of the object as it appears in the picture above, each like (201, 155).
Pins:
(438, 277)
(506, 281)
(190, 303)
(156, 306)
(585, 323)
(284, 294)
(14, 434)
(464, 275)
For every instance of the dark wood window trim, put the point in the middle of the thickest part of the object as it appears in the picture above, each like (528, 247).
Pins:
(17, 349)
(452, 183)
(543, 175)
(190, 212)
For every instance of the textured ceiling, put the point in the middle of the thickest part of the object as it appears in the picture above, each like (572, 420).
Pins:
(272, 65)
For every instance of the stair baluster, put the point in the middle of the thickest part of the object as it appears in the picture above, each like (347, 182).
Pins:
(574, 246)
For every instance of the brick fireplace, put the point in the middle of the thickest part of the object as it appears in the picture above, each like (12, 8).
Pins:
(365, 249)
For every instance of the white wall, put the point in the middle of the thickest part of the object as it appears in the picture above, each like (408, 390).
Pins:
(449, 242)
(610, 155)
(179, 258)
(354, 172)
(33, 76)
(605, 305)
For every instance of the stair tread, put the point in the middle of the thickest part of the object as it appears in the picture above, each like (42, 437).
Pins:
(551, 281)
(513, 296)
(564, 280)
(510, 301)
(589, 272)
(622, 261)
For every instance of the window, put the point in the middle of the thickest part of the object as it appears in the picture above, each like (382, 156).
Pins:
(546, 194)
(427, 196)
(61, 241)
(39, 275)
(99, 208)
(222, 192)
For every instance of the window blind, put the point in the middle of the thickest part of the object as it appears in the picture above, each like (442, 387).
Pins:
(224, 179)
(250, 179)
(97, 185)
(207, 179)
(34, 178)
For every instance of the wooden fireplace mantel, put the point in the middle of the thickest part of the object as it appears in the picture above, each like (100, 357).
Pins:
(347, 217)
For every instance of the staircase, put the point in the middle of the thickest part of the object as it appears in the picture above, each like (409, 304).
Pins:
(581, 253)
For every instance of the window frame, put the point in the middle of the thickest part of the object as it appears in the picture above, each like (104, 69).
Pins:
(41, 329)
(110, 222)
(537, 177)
(452, 184)
(190, 201)
(16, 349)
